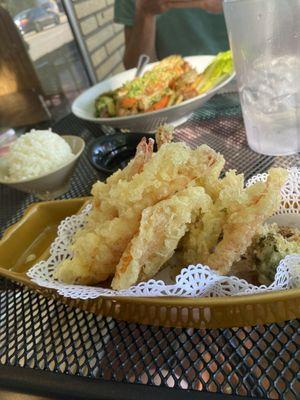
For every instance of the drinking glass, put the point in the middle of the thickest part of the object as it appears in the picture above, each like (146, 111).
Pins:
(264, 37)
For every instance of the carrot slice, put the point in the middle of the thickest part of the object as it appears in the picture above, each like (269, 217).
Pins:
(163, 102)
(127, 102)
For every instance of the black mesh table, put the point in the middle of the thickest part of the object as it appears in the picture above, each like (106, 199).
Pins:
(50, 349)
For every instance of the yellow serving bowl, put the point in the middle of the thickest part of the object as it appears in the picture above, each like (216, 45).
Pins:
(34, 233)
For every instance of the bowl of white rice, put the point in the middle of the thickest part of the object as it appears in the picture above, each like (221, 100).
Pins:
(41, 162)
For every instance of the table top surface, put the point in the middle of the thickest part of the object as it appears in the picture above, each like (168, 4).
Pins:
(43, 336)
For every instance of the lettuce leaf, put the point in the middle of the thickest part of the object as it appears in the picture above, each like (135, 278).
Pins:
(219, 69)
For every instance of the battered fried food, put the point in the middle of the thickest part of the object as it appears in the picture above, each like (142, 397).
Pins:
(102, 209)
(172, 201)
(205, 232)
(118, 206)
(97, 252)
(269, 247)
(103, 232)
(259, 202)
(169, 171)
(161, 228)
(223, 235)
(164, 134)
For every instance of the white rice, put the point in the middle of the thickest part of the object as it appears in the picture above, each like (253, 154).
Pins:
(37, 153)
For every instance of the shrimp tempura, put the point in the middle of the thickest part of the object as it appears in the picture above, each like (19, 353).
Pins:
(223, 234)
(117, 212)
(244, 220)
(161, 228)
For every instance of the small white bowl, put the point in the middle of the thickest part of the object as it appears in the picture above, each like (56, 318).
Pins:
(52, 185)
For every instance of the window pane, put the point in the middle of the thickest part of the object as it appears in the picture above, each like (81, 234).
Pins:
(50, 44)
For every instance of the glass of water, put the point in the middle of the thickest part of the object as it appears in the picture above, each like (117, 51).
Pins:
(265, 39)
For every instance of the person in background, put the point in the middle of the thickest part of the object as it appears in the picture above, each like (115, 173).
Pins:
(160, 28)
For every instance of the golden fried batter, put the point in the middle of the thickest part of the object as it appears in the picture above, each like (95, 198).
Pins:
(205, 232)
(161, 228)
(169, 170)
(172, 200)
(222, 235)
(244, 218)
(96, 247)
(164, 134)
(118, 206)
(102, 208)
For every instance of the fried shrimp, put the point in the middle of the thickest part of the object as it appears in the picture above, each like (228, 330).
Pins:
(245, 217)
(96, 236)
(167, 206)
(217, 238)
(143, 154)
(169, 170)
(97, 252)
(102, 209)
(161, 228)
(206, 230)
(119, 204)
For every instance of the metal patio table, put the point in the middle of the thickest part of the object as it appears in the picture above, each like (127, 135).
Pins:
(50, 349)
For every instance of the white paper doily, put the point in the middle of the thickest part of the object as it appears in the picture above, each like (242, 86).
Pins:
(193, 281)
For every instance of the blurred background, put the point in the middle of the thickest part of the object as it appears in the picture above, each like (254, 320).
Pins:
(50, 51)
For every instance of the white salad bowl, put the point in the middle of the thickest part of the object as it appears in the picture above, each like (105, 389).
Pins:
(84, 106)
